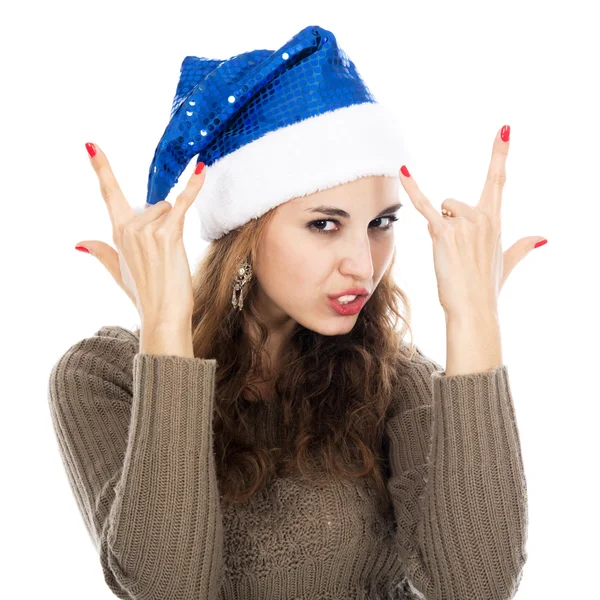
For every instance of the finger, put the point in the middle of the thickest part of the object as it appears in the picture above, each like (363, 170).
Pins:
(420, 201)
(456, 208)
(118, 208)
(491, 197)
(189, 194)
(152, 213)
(516, 253)
(109, 259)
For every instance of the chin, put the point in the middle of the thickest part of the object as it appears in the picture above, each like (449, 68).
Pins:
(336, 325)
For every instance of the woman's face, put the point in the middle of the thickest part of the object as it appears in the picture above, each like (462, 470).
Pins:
(299, 264)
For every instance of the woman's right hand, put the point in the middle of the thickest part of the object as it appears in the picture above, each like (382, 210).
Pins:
(149, 264)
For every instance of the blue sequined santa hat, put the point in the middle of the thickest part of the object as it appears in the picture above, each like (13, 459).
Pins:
(271, 126)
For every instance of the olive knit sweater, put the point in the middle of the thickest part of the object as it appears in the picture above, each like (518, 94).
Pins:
(135, 436)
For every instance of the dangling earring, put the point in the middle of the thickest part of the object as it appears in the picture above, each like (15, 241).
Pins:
(242, 277)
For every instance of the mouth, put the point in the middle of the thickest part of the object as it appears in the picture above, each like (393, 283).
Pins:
(355, 291)
(348, 308)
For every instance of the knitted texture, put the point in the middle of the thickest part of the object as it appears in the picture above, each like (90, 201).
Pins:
(134, 432)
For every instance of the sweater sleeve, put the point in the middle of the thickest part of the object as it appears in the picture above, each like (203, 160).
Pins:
(134, 432)
(457, 483)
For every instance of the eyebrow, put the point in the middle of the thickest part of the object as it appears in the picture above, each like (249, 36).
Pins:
(332, 211)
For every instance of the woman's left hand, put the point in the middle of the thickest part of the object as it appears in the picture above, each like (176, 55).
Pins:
(467, 249)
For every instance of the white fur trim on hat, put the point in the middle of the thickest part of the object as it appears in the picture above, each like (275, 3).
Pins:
(314, 154)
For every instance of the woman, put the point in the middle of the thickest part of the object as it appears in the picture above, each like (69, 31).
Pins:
(256, 437)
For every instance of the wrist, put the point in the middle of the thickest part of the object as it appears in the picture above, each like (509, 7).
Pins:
(167, 326)
(166, 338)
(473, 343)
(483, 315)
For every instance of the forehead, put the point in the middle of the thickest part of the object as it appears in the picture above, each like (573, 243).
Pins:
(375, 190)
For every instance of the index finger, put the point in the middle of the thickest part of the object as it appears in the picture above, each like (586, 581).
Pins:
(420, 201)
(491, 197)
(118, 208)
(189, 194)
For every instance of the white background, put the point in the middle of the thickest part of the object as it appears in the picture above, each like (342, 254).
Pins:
(455, 72)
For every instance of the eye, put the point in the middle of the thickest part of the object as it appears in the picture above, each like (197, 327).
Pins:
(313, 224)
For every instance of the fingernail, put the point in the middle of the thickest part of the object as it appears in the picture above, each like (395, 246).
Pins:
(505, 133)
(199, 168)
(541, 243)
(405, 171)
(91, 150)
(82, 249)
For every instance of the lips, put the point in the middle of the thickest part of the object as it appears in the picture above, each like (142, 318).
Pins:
(350, 292)
(351, 308)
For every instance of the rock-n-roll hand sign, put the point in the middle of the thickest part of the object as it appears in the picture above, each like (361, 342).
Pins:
(467, 249)
(150, 263)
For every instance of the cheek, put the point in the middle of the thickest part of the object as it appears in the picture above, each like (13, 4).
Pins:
(294, 268)
(301, 267)
(382, 256)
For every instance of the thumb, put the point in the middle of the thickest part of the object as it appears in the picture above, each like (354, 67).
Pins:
(519, 250)
(109, 257)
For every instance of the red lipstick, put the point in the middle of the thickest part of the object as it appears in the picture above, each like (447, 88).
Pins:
(350, 308)
(351, 292)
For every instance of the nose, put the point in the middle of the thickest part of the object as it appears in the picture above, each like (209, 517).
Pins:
(356, 260)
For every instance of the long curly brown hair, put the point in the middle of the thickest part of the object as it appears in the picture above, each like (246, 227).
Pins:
(334, 393)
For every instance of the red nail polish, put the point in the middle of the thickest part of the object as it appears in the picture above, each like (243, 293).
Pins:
(541, 243)
(91, 150)
(82, 249)
(199, 168)
(405, 171)
(505, 133)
